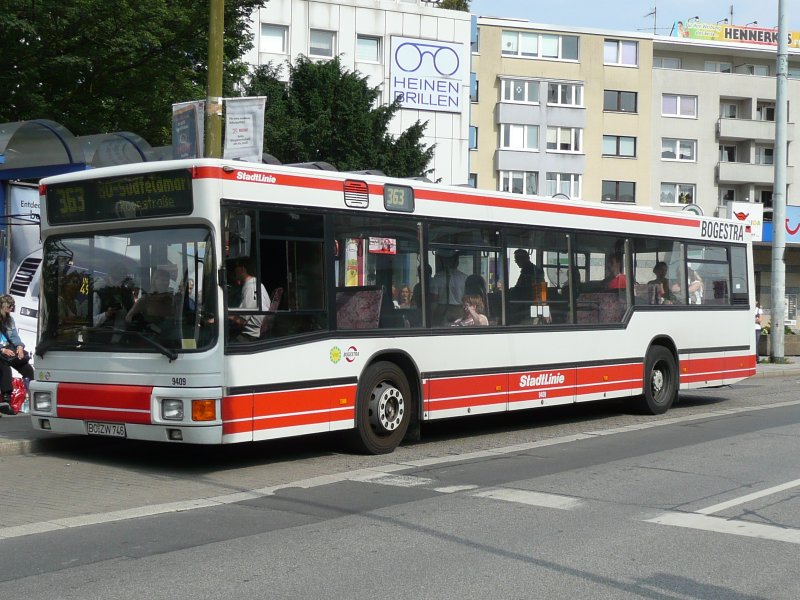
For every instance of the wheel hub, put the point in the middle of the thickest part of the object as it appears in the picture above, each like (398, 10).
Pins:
(658, 381)
(386, 407)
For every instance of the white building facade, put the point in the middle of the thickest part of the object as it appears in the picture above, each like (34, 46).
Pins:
(405, 47)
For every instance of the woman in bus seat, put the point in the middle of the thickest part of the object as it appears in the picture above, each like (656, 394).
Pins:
(663, 290)
(695, 283)
(12, 354)
(474, 312)
(405, 296)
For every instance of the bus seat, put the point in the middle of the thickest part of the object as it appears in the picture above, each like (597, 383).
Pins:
(358, 308)
(274, 303)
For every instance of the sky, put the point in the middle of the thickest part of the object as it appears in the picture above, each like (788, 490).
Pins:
(629, 15)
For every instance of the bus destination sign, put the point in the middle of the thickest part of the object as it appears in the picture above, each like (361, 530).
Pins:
(159, 194)
(399, 198)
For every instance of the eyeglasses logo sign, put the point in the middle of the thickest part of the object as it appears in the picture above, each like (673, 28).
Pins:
(427, 75)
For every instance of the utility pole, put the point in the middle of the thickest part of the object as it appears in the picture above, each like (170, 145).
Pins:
(779, 194)
(213, 117)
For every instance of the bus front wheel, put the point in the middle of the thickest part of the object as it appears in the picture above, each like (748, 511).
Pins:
(660, 381)
(383, 409)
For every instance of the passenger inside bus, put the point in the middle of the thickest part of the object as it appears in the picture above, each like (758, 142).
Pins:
(474, 312)
(447, 289)
(247, 328)
(72, 305)
(113, 298)
(152, 310)
(616, 279)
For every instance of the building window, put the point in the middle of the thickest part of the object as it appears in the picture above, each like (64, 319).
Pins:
(519, 137)
(519, 182)
(565, 94)
(621, 52)
(368, 48)
(727, 195)
(619, 191)
(535, 45)
(677, 193)
(728, 110)
(764, 155)
(520, 90)
(727, 153)
(765, 111)
(717, 67)
(762, 70)
(676, 105)
(619, 145)
(274, 38)
(666, 62)
(473, 87)
(473, 137)
(322, 43)
(564, 139)
(475, 33)
(472, 181)
(618, 101)
(681, 150)
(568, 184)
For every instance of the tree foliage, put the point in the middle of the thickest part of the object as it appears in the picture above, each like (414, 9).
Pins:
(462, 5)
(111, 65)
(327, 113)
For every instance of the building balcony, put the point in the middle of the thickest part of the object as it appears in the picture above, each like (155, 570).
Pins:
(749, 129)
(736, 172)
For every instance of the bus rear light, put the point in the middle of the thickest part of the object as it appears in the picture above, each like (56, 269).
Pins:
(204, 410)
(172, 409)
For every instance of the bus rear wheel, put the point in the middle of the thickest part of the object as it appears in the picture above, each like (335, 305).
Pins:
(384, 409)
(660, 381)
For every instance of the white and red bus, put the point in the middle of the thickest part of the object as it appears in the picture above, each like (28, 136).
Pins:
(368, 284)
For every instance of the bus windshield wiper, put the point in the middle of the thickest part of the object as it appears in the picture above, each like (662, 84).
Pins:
(169, 353)
(43, 347)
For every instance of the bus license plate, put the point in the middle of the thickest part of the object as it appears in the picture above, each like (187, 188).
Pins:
(110, 429)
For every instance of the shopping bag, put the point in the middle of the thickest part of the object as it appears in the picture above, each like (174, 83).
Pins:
(18, 395)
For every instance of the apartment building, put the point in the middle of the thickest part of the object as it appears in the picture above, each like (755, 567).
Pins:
(623, 117)
(407, 48)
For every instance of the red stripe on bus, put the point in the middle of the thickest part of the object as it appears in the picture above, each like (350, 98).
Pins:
(292, 401)
(94, 395)
(582, 210)
(466, 402)
(99, 414)
(610, 373)
(237, 407)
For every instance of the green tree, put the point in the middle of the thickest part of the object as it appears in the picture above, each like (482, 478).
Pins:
(462, 5)
(327, 113)
(110, 65)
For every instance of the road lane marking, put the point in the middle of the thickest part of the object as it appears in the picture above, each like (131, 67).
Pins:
(359, 474)
(530, 498)
(754, 496)
(728, 526)
(452, 489)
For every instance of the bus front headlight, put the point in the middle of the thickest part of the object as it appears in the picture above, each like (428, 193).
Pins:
(42, 401)
(172, 409)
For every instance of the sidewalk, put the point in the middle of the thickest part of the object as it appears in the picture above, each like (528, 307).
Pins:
(17, 435)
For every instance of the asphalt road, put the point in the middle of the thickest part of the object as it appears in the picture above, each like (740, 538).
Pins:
(578, 502)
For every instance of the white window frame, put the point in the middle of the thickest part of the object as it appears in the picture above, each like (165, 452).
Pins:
(331, 36)
(678, 106)
(761, 155)
(555, 182)
(376, 59)
(666, 62)
(725, 110)
(616, 47)
(762, 108)
(677, 144)
(507, 90)
(723, 154)
(573, 91)
(281, 31)
(473, 137)
(507, 180)
(521, 44)
(519, 137)
(715, 66)
(575, 142)
(688, 190)
(618, 145)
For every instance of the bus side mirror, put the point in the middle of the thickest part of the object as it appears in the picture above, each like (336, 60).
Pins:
(239, 237)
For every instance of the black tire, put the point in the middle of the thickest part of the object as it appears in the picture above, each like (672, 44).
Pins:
(384, 409)
(660, 382)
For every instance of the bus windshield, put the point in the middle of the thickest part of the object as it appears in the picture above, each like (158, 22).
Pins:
(137, 290)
